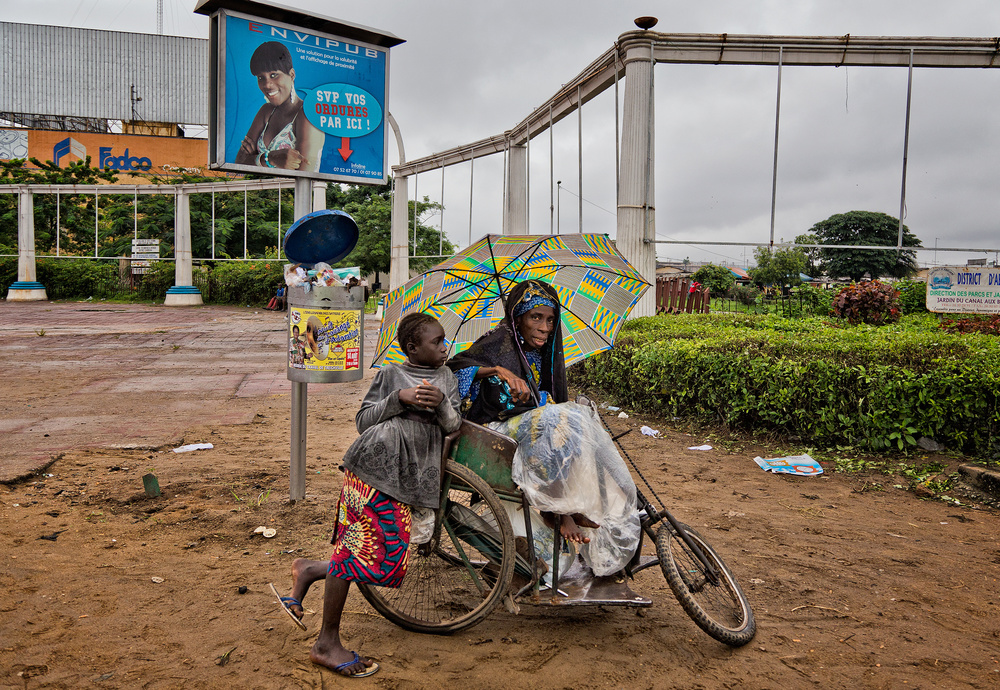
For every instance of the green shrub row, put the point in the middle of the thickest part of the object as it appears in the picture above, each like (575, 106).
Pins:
(224, 282)
(829, 384)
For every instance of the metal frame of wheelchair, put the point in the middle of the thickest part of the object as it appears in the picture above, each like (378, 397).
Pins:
(467, 567)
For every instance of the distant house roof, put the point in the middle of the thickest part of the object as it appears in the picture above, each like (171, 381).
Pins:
(738, 272)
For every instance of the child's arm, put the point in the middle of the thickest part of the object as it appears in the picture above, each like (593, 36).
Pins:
(381, 402)
(447, 410)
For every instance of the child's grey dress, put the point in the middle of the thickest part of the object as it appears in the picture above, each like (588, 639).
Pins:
(399, 450)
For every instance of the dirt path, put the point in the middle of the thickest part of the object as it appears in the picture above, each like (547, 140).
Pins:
(852, 585)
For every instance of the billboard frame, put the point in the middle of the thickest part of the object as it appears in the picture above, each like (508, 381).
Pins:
(288, 20)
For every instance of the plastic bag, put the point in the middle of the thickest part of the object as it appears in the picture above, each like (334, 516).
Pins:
(421, 524)
(567, 463)
(295, 275)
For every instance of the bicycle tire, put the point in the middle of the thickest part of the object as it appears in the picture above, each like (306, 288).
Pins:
(721, 609)
(443, 592)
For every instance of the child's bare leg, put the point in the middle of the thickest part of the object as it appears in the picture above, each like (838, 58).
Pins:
(304, 573)
(570, 531)
(328, 650)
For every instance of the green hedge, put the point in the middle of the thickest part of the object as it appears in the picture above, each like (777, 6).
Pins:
(223, 282)
(861, 386)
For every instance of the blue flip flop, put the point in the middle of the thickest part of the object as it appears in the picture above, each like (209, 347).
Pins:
(371, 670)
(286, 604)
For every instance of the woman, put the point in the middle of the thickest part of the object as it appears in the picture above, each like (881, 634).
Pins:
(280, 136)
(513, 380)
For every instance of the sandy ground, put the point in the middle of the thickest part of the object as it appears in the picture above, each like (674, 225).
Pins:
(854, 583)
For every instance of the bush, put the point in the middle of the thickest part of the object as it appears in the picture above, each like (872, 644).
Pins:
(873, 388)
(989, 325)
(819, 299)
(744, 294)
(247, 283)
(912, 296)
(718, 279)
(873, 302)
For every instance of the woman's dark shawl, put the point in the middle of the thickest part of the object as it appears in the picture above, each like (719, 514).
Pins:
(500, 347)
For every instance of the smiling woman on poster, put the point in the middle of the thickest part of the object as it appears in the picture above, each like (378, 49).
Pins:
(280, 136)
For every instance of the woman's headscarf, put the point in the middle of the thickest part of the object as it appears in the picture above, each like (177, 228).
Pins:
(502, 347)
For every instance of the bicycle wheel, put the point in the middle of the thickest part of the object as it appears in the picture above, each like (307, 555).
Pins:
(455, 580)
(720, 608)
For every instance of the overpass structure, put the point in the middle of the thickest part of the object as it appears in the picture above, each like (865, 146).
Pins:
(628, 67)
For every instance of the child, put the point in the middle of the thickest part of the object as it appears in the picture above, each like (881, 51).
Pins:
(393, 465)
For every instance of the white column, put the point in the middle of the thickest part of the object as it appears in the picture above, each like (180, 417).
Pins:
(517, 192)
(636, 217)
(183, 293)
(399, 257)
(27, 288)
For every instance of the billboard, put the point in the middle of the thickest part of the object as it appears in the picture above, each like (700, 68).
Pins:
(297, 101)
(965, 289)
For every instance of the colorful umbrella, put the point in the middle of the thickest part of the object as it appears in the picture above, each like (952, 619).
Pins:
(597, 288)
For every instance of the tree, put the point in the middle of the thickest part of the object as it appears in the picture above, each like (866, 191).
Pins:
(867, 228)
(75, 211)
(778, 266)
(811, 253)
(371, 208)
(718, 279)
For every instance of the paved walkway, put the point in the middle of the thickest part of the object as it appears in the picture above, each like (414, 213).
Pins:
(83, 375)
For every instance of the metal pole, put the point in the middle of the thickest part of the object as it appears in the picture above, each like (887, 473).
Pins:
(472, 173)
(906, 147)
(245, 223)
(441, 227)
(774, 168)
(135, 214)
(303, 203)
(579, 159)
(213, 223)
(57, 223)
(415, 200)
(527, 178)
(558, 199)
(279, 223)
(95, 223)
(552, 173)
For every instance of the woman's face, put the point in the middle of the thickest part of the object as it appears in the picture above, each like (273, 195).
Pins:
(276, 85)
(536, 326)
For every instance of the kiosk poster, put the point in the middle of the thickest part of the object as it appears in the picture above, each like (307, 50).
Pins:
(323, 339)
(967, 290)
(297, 102)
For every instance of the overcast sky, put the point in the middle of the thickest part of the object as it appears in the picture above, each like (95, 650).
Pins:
(471, 69)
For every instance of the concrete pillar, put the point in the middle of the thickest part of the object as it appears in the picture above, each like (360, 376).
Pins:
(183, 293)
(399, 258)
(319, 195)
(26, 289)
(516, 203)
(636, 207)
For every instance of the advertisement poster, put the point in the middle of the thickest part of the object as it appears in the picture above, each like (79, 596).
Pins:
(964, 290)
(298, 102)
(323, 339)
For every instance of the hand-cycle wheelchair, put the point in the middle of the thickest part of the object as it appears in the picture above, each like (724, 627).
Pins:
(471, 563)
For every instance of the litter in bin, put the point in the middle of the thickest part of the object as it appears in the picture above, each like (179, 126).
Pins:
(193, 446)
(793, 464)
(655, 433)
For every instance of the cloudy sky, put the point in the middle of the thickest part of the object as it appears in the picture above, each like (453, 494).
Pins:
(469, 70)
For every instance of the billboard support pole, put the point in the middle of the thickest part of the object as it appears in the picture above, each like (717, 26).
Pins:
(303, 205)
(26, 288)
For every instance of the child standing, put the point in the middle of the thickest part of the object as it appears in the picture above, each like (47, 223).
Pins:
(395, 464)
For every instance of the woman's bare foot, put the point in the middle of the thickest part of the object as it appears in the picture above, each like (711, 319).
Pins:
(584, 521)
(570, 531)
(335, 656)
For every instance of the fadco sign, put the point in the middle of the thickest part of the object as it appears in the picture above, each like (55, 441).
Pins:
(125, 162)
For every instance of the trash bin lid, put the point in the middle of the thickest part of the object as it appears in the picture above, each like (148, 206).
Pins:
(326, 236)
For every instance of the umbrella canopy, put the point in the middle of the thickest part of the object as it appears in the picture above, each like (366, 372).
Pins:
(597, 289)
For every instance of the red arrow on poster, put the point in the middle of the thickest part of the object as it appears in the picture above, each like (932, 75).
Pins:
(345, 147)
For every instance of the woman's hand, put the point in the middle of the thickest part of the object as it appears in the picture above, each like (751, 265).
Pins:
(424, 395)
(518, 387)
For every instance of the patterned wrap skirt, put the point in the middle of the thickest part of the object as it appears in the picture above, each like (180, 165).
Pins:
(371, 537)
